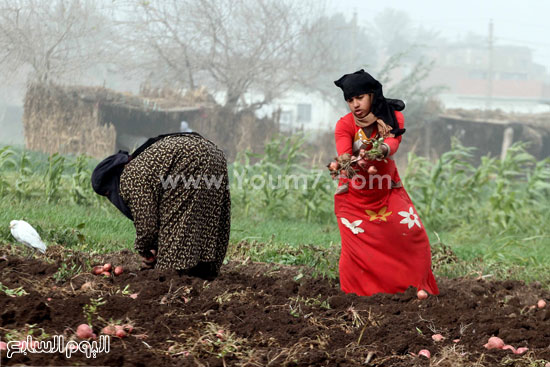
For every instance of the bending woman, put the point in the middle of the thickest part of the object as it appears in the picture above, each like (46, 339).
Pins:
(385, 248)
(175, 189)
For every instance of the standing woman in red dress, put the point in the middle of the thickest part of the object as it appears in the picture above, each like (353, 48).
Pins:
(385, 248)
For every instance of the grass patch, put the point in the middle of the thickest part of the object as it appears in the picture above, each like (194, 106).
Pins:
(289, 242)
(283, 231)
(77, 227)
(505, 257)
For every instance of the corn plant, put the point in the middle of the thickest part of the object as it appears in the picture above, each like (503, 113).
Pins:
(52, 177)
(281, 161)
(437, 187)
(316, 196)
(23, 184)
(241, 190)
(497, 196)
(271, 184)
(538, 182)
(80, 190)
(6, 160)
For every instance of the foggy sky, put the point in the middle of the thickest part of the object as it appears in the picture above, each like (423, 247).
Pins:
(521, 23)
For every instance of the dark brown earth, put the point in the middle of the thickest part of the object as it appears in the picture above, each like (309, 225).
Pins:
(257, 314)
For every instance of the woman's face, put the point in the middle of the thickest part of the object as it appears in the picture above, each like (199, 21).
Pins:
(360, 105)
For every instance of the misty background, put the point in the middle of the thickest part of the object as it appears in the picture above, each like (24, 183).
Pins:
(452, 62)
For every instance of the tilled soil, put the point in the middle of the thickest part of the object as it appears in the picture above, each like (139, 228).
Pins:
(257, 314)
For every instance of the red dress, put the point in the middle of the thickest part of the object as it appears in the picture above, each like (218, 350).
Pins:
(385, 248)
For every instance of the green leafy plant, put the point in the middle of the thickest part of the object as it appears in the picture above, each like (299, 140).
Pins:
(23, 188)
(6, 161)
(29, 329)
(80, 189)
(497, 195)
(52, 177)
(91, 309)
(16, 292)
(69, 237)
(66, 272)
(280, 184)
(375, 152)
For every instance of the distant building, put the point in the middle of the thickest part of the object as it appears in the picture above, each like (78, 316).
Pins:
(509, 80)
(307, 112)
(490, 135)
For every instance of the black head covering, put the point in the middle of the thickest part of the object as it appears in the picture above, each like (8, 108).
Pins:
(362, 82)
(106, 180)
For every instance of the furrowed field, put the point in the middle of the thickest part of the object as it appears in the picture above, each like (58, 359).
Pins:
(277, 301)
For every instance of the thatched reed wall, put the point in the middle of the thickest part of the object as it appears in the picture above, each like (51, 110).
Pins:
(89, 120)
(55, 121)
(97, 121)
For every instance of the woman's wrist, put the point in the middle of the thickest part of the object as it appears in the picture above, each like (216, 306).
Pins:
(385, 148)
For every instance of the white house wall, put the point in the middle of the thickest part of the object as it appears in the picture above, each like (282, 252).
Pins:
(323, 116)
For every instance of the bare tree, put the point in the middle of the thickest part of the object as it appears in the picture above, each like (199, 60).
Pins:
(399, 35)
(234, 46)
(55, 39)
(382, 46)
(334, 46)
(163, 42)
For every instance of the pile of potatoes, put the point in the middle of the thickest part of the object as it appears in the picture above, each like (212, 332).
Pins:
(105, 270)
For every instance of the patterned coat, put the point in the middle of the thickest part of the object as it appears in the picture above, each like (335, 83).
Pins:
(177, 190)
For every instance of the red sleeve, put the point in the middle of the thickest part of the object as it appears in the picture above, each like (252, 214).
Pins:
(343, 134)
(393, 143)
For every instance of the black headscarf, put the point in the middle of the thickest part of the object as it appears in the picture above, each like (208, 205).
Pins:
(362, 82)
(106, 180)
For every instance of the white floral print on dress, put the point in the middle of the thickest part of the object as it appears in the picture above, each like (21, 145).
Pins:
(410, 218)
(353, 226)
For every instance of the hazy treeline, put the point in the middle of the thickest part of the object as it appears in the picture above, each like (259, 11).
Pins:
(241, 48)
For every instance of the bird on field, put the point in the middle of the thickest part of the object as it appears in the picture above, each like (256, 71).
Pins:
(27, 235)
